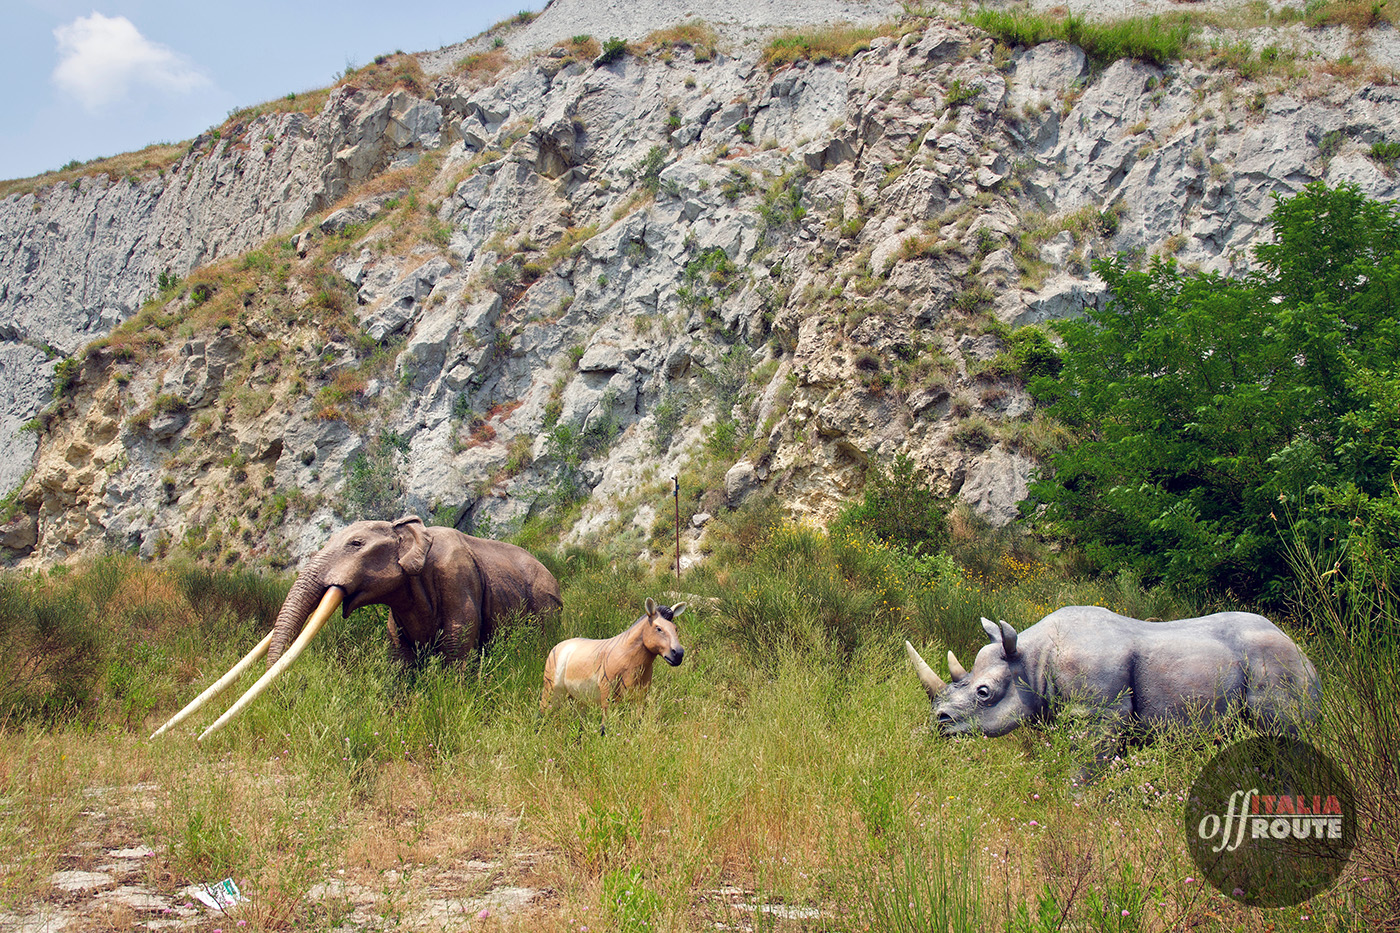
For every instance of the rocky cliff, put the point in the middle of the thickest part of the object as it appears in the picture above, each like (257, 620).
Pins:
(533, 281)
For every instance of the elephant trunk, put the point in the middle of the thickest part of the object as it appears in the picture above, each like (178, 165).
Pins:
(301, 600)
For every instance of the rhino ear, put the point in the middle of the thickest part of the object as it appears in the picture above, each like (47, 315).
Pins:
(993, 632)
(1008, 639)
(1001, 634)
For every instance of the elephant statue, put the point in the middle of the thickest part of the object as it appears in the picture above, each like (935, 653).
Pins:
(445, 591)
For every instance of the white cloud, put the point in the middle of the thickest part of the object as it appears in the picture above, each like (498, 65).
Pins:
(102, 58)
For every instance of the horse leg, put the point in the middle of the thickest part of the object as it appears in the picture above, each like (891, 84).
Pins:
(604, 698)
(547, 695)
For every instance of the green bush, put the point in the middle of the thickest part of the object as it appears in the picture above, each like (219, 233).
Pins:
(793, 599)
(613, 50)
(374, 488)
(66, 373)
(1386, 153)
(960, 93)
(649, 171)
(898, 508)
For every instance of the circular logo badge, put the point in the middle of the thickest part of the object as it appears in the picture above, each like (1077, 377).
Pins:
(1271, 821)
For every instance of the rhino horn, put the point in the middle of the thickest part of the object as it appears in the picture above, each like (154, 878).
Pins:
(932, 685)
(955, 670)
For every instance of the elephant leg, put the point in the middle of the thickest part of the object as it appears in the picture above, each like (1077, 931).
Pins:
(401, 650)
(459, 634)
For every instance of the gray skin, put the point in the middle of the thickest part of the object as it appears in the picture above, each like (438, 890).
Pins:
(1128, 672)
(445, 590)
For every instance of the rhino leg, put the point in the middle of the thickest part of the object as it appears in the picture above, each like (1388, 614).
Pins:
(1281, 698)
(1097, 731)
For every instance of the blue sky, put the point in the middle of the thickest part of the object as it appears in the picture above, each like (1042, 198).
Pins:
(88, 79)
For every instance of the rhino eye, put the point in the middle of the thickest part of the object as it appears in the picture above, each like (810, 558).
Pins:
(983, 691)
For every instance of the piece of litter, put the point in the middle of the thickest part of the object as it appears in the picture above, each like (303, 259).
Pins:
(219, 896)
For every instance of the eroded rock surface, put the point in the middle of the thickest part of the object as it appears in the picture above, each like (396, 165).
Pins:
(613, 263)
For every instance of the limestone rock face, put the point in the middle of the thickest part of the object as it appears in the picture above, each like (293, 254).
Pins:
(561, 282)
(76, 260)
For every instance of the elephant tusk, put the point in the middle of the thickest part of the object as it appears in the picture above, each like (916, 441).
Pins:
(955, 670)
(333, 598)
(218, 687)
(933, 686)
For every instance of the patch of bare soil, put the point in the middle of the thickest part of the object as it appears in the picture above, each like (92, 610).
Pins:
(113, 880)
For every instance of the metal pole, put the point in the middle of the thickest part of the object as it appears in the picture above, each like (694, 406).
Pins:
(676, 495)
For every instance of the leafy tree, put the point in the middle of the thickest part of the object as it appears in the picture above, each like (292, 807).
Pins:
(1212, 412)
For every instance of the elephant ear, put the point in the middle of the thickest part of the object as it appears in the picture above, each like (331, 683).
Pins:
(413, 544)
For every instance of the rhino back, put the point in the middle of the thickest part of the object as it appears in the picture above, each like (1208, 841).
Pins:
(1164, 670)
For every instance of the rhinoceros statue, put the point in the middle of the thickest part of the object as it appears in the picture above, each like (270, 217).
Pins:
(1126, 671)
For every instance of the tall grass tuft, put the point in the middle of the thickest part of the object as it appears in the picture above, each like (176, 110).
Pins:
(1158, 40)
(930, 884)
(1355, 611)
(51, 640)
(822, 44)
(216, 595)
(117, 634)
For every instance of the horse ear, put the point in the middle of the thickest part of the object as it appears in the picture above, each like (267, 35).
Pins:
(414, 544)
(651, 607)
(676, 610)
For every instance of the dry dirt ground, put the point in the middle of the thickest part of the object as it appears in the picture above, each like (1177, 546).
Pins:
(469, 870)
(114, 880)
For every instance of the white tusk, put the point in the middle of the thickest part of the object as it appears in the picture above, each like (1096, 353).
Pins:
(933, 686)
(955, 670)
(333, 598)
(218, 687)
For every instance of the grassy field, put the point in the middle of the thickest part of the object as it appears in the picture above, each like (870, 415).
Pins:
(782, 778)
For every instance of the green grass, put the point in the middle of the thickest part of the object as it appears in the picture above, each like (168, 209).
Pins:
(1158, 40)
(786, 764)
(821, 44)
